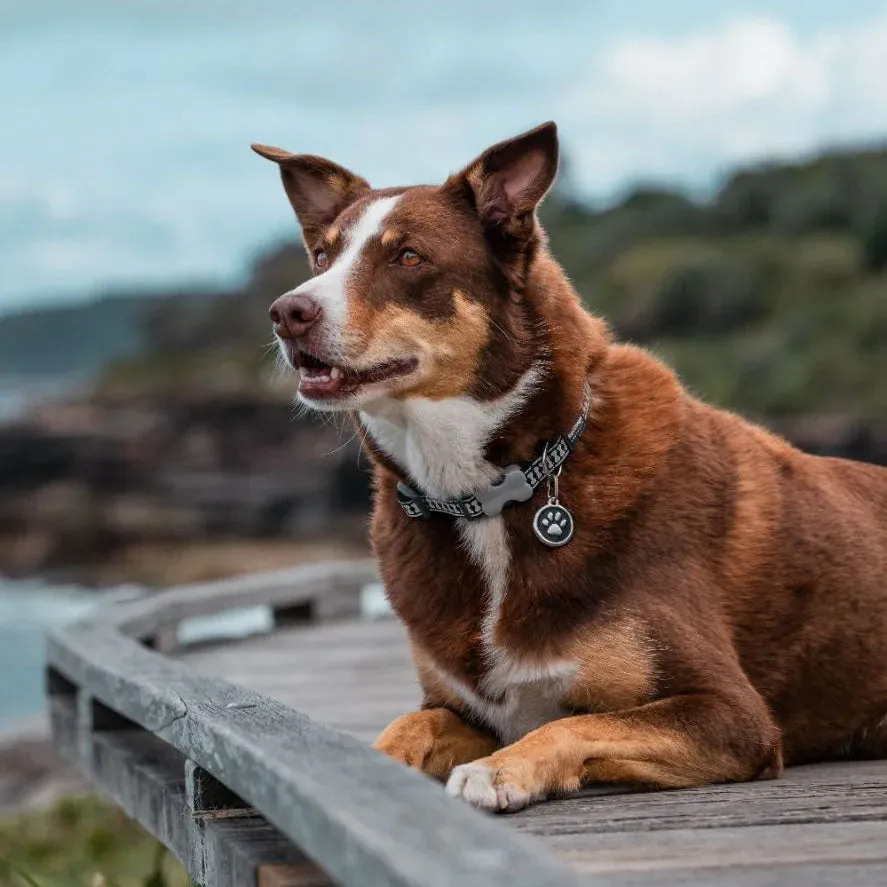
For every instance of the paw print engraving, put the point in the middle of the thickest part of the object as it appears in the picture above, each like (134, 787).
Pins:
(554, 524)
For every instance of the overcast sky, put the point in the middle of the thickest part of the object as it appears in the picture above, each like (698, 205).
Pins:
(126, 124)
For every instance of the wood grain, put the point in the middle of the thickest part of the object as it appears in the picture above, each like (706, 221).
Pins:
(248, 741)
(821, 818)
(364, 819)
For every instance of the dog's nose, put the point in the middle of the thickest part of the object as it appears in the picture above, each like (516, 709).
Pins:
(293, 314)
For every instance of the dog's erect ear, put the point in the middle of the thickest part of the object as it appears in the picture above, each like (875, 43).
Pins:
(317, 188)
(510, 179)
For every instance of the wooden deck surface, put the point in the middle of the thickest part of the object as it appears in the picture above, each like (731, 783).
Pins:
(821, 825)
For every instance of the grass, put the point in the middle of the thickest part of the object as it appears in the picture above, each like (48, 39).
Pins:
(83, 842)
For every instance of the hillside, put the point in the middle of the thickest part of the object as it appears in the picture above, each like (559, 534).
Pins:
(79, 339)
(770, 298)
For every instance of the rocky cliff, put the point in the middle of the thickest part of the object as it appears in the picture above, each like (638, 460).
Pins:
(84, 481)
(160, 488)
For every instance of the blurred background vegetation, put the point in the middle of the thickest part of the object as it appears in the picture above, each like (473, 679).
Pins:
(770, 298)
(83, 842)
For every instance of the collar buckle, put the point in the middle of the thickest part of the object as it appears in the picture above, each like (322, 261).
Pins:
(512, 486)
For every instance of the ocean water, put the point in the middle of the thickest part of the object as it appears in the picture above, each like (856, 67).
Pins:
(27, 609)
(12, 399)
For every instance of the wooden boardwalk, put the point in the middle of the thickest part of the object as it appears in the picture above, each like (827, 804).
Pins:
(820, 825)
(207, 745)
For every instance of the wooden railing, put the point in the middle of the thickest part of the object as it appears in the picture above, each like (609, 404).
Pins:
(244, 790)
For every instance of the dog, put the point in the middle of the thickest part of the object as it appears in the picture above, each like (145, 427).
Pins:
(603, 579)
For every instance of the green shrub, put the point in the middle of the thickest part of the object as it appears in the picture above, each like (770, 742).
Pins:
(81, 842)
(874, 239)
(715, 295)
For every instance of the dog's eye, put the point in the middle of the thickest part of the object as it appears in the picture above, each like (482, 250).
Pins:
(410, 259)
(321, 259)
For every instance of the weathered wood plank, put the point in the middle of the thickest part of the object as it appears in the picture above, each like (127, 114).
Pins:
(292, 876)
(363, 818)
(355, 676)
(147, 778)
(370, 822)
(817, 874)
(334, 587)
(838, 792)
(359, 676)
(727, 848)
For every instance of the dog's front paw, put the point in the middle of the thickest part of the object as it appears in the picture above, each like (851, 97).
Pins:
(488, 788)
(410, 740)
(434, 741)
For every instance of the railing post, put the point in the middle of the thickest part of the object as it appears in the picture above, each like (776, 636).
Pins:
(211, 802)
(62, 702)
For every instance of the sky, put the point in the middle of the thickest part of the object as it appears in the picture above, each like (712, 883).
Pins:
(125, 157)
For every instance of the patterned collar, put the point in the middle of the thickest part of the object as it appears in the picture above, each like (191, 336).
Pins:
(516, 484)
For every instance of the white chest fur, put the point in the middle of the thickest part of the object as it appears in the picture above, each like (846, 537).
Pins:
(521, 702)
(441, 444)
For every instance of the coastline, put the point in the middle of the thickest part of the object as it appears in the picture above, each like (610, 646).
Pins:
(31, 773)
(20, 393)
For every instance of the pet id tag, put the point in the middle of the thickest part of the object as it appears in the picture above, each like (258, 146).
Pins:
(553, 524)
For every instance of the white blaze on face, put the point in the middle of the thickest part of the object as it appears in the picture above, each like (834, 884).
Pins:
(330, 289)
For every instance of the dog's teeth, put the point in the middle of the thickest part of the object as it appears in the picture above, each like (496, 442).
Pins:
(335, 374)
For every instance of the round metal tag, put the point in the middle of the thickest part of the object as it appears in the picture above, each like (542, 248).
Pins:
(553, 525)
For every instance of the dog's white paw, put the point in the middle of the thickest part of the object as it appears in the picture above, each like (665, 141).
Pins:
(474, 783)
(480, 785)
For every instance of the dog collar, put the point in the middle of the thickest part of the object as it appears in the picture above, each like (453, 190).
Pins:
(516, 484)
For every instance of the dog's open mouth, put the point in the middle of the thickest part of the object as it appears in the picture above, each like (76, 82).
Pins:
(322, 380)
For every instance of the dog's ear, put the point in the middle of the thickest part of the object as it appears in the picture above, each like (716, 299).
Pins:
(509, 180)
(318, 189)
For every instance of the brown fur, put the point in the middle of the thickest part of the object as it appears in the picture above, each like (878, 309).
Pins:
(724, 595)
(617, 666)
(453, 345)
(435, 741)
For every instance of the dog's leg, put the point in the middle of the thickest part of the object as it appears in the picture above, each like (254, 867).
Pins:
(434, 741)
(672, 743)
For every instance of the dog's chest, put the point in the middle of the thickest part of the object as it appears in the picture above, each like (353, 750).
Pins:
(516, 706)
(441, 446)
(451, 597)
(516, 693)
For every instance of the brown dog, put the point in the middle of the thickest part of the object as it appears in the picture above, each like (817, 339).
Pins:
(721, 606)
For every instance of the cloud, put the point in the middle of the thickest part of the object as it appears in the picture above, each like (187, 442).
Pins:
(127, 158)
(751, 87)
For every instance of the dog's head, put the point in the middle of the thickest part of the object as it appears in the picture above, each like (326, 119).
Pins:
(417, 292)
